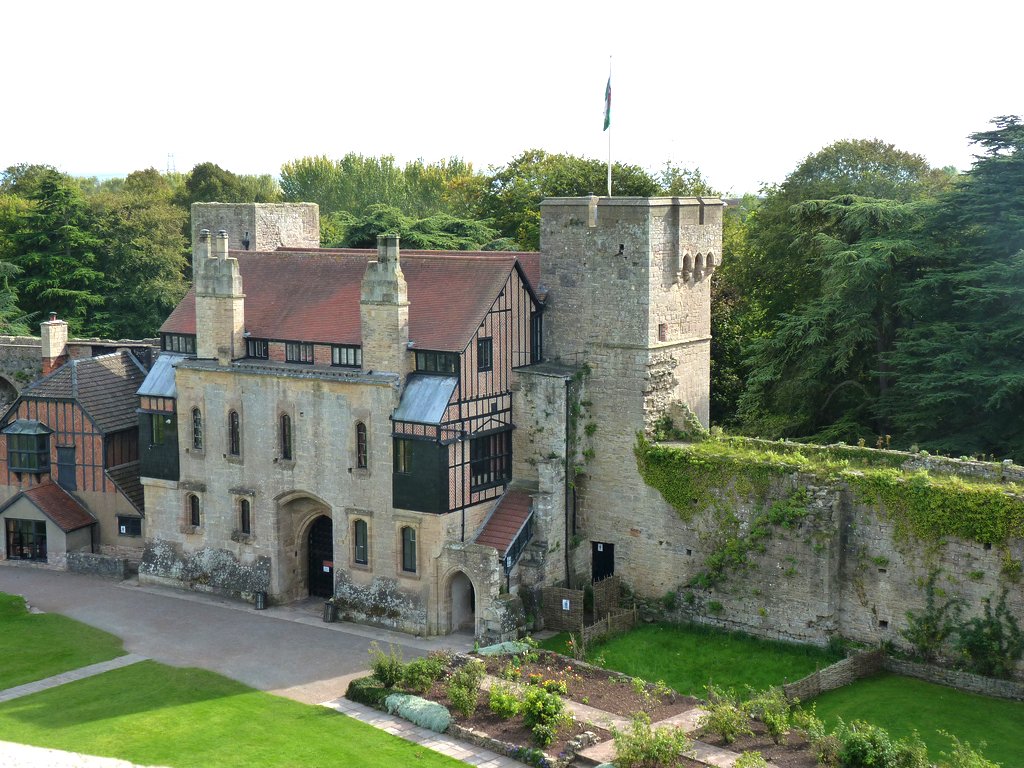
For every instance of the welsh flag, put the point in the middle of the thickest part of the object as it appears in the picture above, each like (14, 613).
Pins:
(608, 103)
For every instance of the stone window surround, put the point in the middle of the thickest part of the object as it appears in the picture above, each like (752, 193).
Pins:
(400, 526)
(284, 409)
(199, 450)
(188, 506)
(236, 458)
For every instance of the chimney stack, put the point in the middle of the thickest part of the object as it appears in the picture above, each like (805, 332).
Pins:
(384, 310)
(54, 337)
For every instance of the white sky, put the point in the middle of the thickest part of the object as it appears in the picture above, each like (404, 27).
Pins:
(743, 90)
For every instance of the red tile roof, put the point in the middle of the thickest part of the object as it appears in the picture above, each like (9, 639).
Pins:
(104, 386)
(314, 295)
(58, 505)
(506, 521)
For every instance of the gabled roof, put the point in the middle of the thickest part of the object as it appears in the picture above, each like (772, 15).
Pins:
(314, 295)
(57, 504)
(104, 386)
(506, 521)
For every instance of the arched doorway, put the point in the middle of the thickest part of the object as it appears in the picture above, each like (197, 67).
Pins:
(321, 557)
(463, 598)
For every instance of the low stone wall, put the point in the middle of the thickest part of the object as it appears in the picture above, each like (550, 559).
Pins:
(502, 747)
(107, 566)
(837, 675)
(955, 678)
(209, 570)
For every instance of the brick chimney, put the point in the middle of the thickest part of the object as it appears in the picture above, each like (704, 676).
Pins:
(54, 336)
(384, 311)
(220, 303)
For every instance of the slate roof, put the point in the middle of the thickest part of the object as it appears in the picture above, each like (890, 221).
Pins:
(104, 386)
(506, 521)
(58, 505)
(425, 398)
(313, 296)
(126, 478)
(160, 379)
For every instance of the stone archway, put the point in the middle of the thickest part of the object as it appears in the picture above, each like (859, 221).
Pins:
(462, 602)
(297, 514)
(320, 558)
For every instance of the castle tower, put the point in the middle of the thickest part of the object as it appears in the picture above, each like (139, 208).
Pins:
(630, 295)
(220, 303)
(384, 311)
(260, 226)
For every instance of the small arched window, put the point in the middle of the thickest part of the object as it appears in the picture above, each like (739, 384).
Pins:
(286, 437)
(409, 549)
(361, 450)
(244, 516)
(234, 434)
(194, 518)
(197, 429)
(360, 537)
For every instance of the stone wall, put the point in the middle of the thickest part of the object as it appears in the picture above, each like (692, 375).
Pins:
(268, 225)
(206, 570)
(106, 566)
(957, 678)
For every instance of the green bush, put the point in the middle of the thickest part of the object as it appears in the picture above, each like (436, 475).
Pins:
(963, 756)
(771, 707)
(420, 674)
(993, 642)
(543, 713)
(642, 746)
(868, 746)
(470, 675)
(723, 716)
(504, 701)
(421, 712)
(368, 691)
(807, 722)
(751, 760)
(463, 699)
(387, 667)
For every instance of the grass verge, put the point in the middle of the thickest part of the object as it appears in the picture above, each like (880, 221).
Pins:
(688, 657)
(38, 645)
(153, 714)
(903, 704)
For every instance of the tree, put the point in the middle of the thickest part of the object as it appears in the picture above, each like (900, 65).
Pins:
(682, 182)
(820, 371)
(438, 232)
(209, 183)
(958, 380)
(786, 281)
(144, 255)
(58, 252)
(515, 191)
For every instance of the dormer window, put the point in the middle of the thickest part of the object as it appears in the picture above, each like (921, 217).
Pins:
(257, 348)
(178, 342)
(437, 362)
(298, 352)
(28, 446)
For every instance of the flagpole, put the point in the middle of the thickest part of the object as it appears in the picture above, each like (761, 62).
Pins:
(608, 107)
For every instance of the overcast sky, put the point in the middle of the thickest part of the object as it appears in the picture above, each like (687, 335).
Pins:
(743, 90)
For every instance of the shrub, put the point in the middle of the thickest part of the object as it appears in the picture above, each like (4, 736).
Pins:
(367, 690)
(387, 667)
(928, 631)
(555, 686)
(645, 747)
(420, 674)
(771, 707)
(723, 716)
(963, 756)
(504, 701)
(543, 713)
(463, 699)
(994, 642)
(808, 723)
(867, 746)
(426, 714)
(751, 760)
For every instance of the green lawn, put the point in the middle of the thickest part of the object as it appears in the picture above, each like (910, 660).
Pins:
(153, 714)
(688, 657)
(34, 646)
(902, 704)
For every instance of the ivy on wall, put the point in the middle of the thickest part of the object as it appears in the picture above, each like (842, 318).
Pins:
(693, 477)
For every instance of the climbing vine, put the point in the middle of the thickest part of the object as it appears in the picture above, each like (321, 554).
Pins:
(694, 477)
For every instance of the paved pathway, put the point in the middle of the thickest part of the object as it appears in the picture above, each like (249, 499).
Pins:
(69, 677)
(286, 650)
(23, 756)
